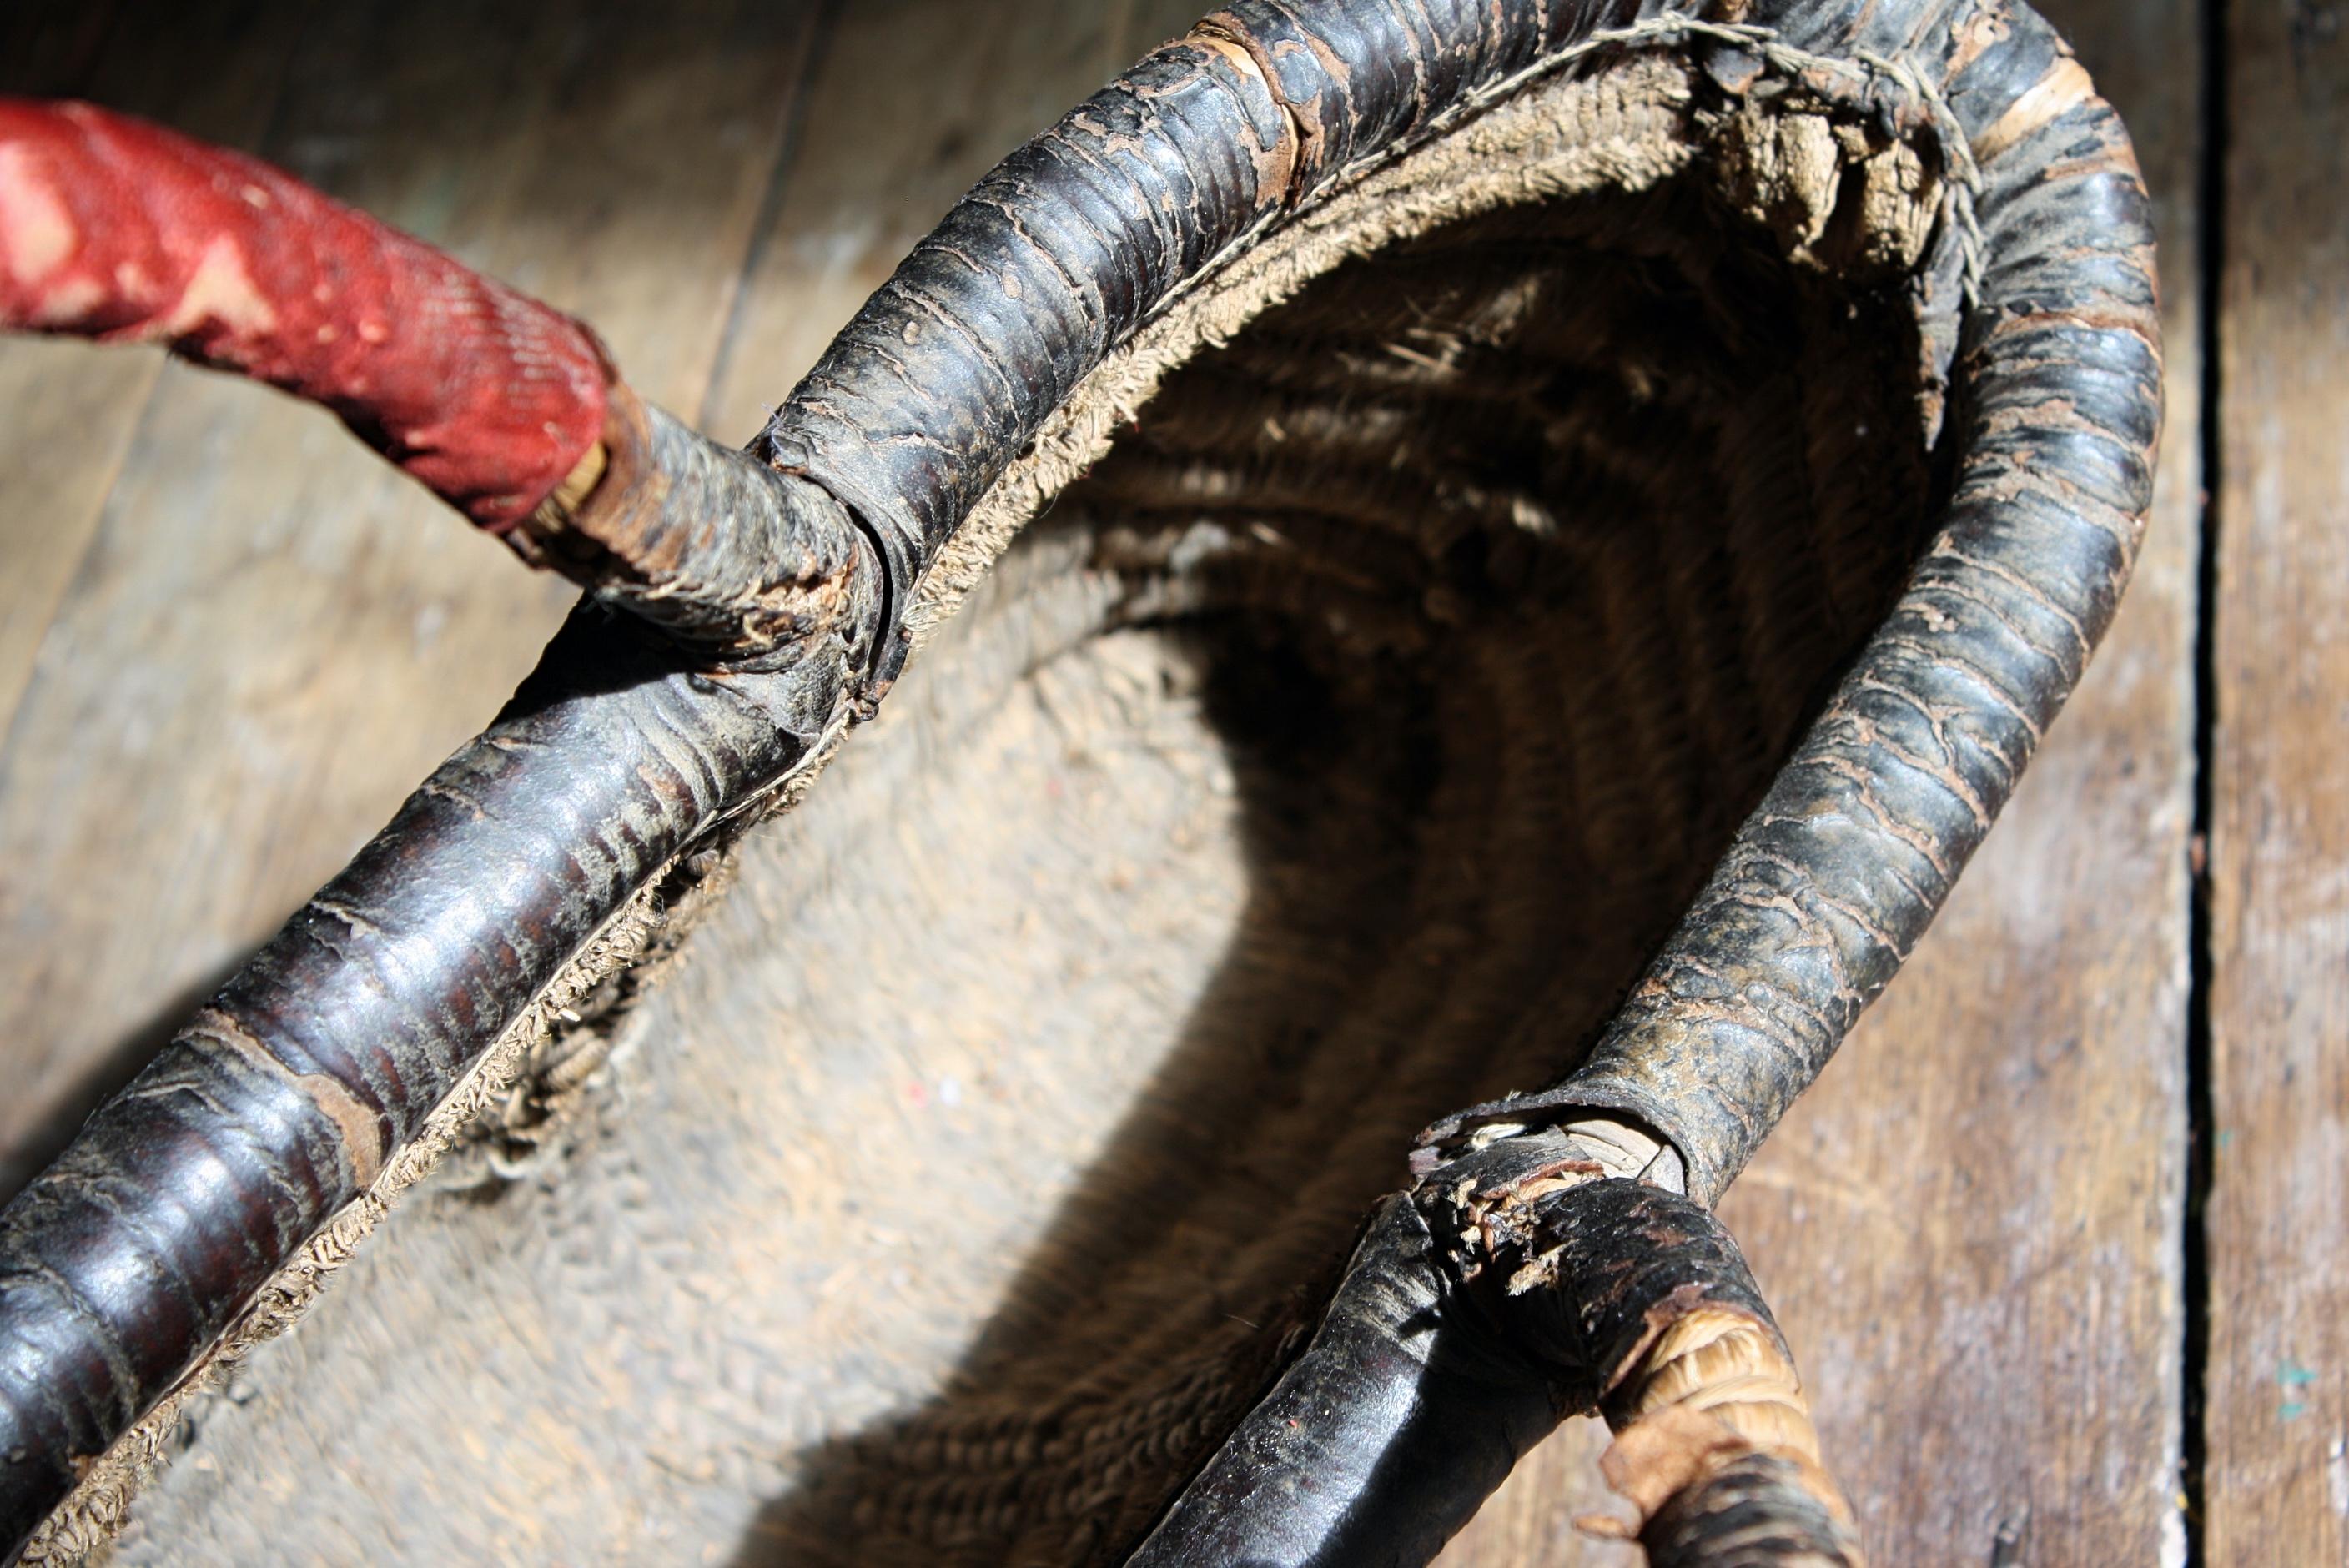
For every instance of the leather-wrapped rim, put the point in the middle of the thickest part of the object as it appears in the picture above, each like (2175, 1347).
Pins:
(266, 1137)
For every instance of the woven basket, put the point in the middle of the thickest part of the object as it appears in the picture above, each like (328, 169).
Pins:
(1453, 548)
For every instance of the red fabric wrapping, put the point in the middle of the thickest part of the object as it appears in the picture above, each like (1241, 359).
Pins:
(114, 229)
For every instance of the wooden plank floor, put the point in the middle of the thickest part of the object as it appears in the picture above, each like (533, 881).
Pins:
(2033, 1340)
(2276, 1331)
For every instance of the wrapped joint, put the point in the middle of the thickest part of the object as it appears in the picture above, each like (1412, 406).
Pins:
(1624, 1137)
(746, 565)
(1729, 1368)
(1716, 1453)
(1637, 1304)
(122, 232)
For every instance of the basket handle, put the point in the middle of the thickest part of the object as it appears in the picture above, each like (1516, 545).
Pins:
(1714, 1446)
(1527, 1280)
(511, 412)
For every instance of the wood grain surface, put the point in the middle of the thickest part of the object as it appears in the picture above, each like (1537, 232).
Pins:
(229, 640)
(914, 101)
(2277, 1471)
(73, 415)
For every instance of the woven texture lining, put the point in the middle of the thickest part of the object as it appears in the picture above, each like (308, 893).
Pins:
(1519, 552)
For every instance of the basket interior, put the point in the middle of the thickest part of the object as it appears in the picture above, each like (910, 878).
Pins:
(1330, 757)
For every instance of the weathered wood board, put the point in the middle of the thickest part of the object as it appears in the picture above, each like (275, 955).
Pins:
(2277, 1471)
(914, 101)
(73, 415)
